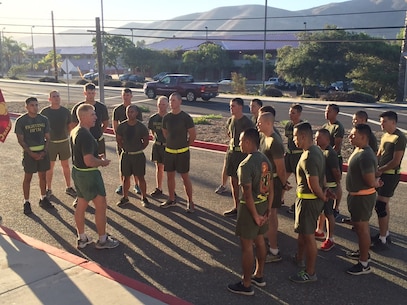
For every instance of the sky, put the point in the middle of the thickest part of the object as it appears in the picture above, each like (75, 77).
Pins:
(20, 17)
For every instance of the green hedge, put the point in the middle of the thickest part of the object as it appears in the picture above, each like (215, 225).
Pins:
(353, 96)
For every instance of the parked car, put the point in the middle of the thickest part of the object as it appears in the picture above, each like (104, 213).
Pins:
(132, 78)
(162, 74)
(225, 81)
(95, 75)
(274, 81)
(183, 84)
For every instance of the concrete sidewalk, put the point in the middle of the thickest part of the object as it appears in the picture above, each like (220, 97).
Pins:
(35, 273)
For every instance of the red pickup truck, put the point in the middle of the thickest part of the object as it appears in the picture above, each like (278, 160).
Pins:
(183, 84)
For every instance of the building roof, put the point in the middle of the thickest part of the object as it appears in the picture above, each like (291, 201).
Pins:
(252, 42)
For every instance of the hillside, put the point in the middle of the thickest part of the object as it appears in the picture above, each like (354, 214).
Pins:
(354, 14)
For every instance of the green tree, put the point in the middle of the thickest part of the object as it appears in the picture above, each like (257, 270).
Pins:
(139, 58)
(47, 62)
(210, 59)
(14, 53)
(114, 47)
(333, 54)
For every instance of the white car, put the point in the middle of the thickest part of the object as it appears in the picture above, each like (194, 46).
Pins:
(225, 82)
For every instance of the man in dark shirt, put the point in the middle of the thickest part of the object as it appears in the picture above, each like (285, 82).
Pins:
(32, 130)
(88, 179)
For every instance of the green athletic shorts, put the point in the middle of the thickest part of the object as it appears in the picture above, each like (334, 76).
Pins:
(306, 215)
(329, 205)
(233, 159)
(389, 186)
(361, 207)
(61, 150)
(88, 184)
(177, 162)
(32, 166)
(246, 227)
(278, 191)
(158, 153)
(133, 165)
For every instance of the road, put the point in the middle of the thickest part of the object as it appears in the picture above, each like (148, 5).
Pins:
(195, 256)
(313, 111)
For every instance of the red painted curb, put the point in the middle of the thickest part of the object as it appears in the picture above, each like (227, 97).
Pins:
(94, 267)
(222, 147)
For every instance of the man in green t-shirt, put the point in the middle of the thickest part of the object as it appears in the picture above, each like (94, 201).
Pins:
(155, 124)
(237, 123)
(60, 122)
(333, 175)
(254, 177)
(272, 146)
(310, 201)
(132, 139)
(32, 130)
(179, 131)
(390, 154)
(361, 183)
(88, 179)
(337, 132)
(118, 116)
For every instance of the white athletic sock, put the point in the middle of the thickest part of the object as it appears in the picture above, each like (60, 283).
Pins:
(83, 237)
(102, 238)
(274, 251)
(383, 239)
(364, 264)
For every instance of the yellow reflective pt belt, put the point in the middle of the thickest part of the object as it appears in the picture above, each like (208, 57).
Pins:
(176, 151)
(262, 198)
(89, 169)
(60, 141)
(37, 148)
(331, 184)
(306, 196)
(392, 172)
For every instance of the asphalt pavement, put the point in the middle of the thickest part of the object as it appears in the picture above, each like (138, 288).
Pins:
(191, 257)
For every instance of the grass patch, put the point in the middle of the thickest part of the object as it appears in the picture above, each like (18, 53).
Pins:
(205, 119)
(201, 121)
(213, 116)
(143, 108)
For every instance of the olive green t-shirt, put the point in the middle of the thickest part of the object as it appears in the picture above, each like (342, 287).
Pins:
(336, 130)
(272, 147)
(331, 162)
(33, 129)
(236, 127)
(132, 135)
(82, 143)
(101, 113)
(390, 143)
(59, 120)
(361, 162)
(177, 126)
(256, 170)
(289, 133)
(311, 163)
(155, 124)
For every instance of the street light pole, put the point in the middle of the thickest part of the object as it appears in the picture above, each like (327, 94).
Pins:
(263, 74)
(206, 28)
(32, 48)
(132, 36)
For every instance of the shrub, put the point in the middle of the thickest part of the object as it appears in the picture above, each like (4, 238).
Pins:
(47, 79)
(353, 96)
(113, 83)
(81, 81)
(271, 91)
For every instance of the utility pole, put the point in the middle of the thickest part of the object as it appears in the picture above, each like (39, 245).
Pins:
(263, 74)
(54, 48)
(402, 79)
(99, 50)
